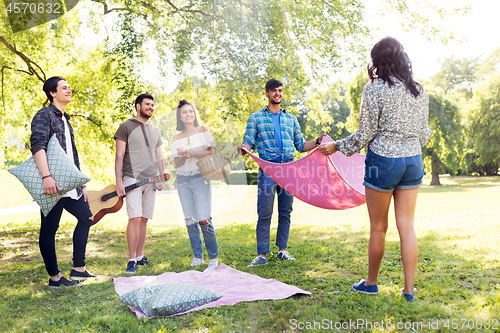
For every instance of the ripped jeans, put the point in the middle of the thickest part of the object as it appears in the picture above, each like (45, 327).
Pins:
(195, 193)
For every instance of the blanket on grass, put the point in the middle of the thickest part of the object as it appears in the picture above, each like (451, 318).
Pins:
(234, 285)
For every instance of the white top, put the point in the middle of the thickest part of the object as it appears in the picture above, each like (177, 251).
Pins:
(73, 194)
(196, 142)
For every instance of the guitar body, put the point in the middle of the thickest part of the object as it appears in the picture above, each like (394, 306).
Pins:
(100, 207)
(106, 201)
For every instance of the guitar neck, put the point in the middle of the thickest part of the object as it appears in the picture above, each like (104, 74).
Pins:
(136, 185)
(129, 188)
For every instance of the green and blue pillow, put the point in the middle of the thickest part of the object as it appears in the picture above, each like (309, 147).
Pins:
(61, 167)
(168, 298)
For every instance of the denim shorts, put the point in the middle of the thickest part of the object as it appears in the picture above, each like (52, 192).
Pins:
(385, 174)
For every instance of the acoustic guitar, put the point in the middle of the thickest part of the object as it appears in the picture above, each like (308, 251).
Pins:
(107, 201)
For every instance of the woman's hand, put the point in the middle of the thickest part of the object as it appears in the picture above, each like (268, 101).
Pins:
(327, 148)
(183, 152)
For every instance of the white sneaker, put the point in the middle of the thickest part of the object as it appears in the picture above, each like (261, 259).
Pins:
(197, 262)
(214, 263)
(284, 255)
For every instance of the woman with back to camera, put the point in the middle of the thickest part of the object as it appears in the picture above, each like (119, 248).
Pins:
(195, 193)
(393, 123)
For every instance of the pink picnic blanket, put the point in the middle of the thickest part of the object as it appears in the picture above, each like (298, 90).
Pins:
(234, 285)
(330, 182)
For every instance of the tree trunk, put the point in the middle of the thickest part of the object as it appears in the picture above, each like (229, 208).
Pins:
(435, 173)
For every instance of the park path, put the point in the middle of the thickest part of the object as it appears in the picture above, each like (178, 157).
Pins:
(33, 208)
(23, 209)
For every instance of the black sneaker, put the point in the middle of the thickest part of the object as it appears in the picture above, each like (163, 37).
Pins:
(80, 276)
(63, 282)
(144, 261)
(131, 267)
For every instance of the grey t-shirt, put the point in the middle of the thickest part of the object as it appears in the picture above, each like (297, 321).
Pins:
(139, 161)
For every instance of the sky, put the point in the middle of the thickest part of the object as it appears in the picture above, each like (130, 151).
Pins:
(479, 29)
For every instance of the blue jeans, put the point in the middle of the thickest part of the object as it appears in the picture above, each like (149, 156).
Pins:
(385, 174)
(267, 188)
(195, 194)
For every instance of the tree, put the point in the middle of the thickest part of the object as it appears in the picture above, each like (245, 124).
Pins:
(484, 123)
(355, 93)
(325, 112)
(446, 146)
(457, 74)
(50, 49)
(238, 44)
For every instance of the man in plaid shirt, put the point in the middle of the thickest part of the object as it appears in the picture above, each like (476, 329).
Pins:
(274, 133)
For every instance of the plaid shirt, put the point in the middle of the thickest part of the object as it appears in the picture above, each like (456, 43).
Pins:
(259, 135)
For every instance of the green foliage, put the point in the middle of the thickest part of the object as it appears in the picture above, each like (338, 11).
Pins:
(355, 94)
(241, 44)
(457, 74)
(238, 45)
(326, 112)
(28, 58)
(485, 123)
(445, 150)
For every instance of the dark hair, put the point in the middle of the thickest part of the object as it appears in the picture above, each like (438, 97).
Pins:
(273, 83)
(140, 98)
(390, 59)
(180, 124)
(51, 86)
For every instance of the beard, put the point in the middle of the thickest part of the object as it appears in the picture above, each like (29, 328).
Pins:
(144, 114)
(272, 101)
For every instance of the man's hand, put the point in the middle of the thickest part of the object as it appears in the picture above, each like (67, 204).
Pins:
(159, 186)
(327, 148)
(321, 138)
(120, 189)
(241, 151)
(50, 186)
(85, 195)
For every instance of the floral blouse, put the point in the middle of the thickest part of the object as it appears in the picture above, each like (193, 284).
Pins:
(392, 122)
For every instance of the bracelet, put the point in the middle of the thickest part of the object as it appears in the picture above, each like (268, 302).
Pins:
(49, 175)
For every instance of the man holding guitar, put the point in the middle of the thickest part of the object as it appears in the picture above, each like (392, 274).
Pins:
(138, 157)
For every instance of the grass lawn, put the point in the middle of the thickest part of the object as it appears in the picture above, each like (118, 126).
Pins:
(458, 277)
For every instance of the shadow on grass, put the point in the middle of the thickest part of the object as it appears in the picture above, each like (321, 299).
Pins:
(456, 188)
(328, 262)
(462, 184)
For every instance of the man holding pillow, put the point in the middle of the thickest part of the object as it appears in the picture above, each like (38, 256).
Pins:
(46, 122)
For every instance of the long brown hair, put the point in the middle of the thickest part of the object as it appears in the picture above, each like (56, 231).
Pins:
(390, 59)
(180, 124)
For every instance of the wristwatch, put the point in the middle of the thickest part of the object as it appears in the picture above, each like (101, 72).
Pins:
(317, 142)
